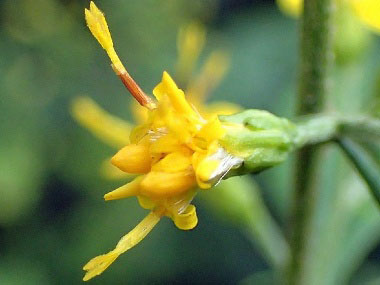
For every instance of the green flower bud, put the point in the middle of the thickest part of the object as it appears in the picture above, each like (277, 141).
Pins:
(258, 137)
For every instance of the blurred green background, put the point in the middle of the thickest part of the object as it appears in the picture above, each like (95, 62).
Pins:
(52, 215)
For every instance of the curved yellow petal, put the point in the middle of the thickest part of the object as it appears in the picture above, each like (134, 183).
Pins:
(186, 220)
(368, 11)
(111, 130)
(97, 265)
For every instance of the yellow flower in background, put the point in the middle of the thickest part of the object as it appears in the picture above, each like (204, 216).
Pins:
(367, 11)
(175, 151)
(190, 44)
(291, 7)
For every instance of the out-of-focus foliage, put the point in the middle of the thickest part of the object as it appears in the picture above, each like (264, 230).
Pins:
(52, 216)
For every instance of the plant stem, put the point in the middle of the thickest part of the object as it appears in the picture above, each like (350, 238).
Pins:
(316, 54)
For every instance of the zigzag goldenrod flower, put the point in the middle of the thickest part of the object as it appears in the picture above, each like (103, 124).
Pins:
(172, 153)
(367, 11)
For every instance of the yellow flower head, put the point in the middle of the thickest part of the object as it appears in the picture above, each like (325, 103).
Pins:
(175, 151)
(367, 11)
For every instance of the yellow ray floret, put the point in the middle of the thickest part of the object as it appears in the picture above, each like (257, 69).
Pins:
(98, 26)
(111, 130)
(98, 264)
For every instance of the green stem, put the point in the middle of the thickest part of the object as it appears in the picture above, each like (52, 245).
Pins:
(316, 53)
(321, 128)
(265, 232)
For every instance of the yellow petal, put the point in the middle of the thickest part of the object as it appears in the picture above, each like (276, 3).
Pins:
(211, 131)
(97, 265)
(176, 95)
(368, 12)
(186, 220)
(180, 127)
(162, 184)
(166, 144)
(130, 189)
(133, 158)
(109, 129)
(291, 7)
(173, 162)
